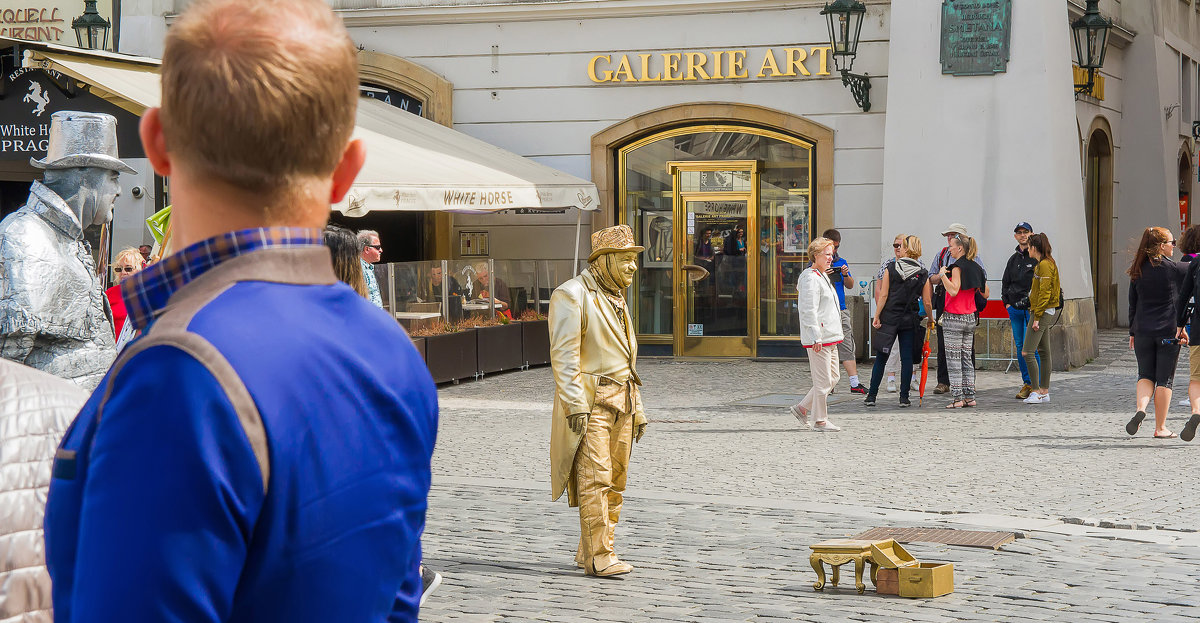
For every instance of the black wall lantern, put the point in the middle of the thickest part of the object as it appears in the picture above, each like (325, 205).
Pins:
(845, 24)
(1091, 42)
(91, 30)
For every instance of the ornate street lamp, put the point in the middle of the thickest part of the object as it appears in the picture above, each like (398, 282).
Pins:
(91, 30)
(1091, 42)
(845, 24)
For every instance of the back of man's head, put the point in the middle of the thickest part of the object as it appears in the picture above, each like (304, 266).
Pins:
(259, 94)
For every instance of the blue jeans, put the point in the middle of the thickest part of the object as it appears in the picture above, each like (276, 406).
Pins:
(905, 337)
(1019, 318)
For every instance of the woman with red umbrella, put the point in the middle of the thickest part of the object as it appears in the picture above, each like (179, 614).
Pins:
(897, 316)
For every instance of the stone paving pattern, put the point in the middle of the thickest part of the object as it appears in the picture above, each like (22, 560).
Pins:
(725, 498)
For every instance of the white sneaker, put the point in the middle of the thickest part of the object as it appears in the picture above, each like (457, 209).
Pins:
(801, 416)
(916, 384)
(1037, 399)
(891, 386)
(1185, 403)
(826, 427)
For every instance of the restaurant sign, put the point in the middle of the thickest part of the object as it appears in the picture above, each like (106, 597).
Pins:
(975, 36)
(32, 95)
(684, 66)
(48, 21)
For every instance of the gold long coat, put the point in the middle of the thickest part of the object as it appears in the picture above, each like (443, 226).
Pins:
(587, 341)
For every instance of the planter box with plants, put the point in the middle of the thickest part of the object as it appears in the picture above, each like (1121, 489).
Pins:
(451, 353)
(535, 338)
(499, 343)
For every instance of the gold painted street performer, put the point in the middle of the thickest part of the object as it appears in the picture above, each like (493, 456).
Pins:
(53, 315)
(597, 406)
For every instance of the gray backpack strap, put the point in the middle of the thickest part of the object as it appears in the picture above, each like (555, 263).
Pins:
(171, 330)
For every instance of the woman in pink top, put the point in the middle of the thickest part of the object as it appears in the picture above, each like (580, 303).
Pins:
(962, 279)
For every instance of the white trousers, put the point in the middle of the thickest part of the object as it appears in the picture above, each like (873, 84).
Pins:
(825, 375)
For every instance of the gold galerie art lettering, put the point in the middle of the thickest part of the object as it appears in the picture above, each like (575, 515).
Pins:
(709, 65)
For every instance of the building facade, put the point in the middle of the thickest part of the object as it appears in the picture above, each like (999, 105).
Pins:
(722, 133)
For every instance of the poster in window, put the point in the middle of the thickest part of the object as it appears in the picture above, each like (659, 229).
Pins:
(789, 276)
(658, 238)
(796, 232)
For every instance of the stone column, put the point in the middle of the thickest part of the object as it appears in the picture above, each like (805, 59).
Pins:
(991, 151)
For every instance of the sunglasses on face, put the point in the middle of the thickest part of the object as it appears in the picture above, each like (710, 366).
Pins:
(124, 269)
(896, 245)
(377, 247)
(1170, 242)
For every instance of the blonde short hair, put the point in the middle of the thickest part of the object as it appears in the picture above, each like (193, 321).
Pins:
(130, 256)
(818, 245)
(912, 247)
(259, 94)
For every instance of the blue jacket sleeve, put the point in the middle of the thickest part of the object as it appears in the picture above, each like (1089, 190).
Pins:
(172, 494)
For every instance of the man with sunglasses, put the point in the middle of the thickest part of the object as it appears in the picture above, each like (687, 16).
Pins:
(371, 253)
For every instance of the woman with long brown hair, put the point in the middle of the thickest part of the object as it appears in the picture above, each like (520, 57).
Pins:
(1045, 297)
(346, 250)
(1154, 284)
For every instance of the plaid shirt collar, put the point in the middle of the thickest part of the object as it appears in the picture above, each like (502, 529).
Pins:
(146, 294)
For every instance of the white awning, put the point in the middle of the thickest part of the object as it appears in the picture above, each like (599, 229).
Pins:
(417, 165)
(412, 163)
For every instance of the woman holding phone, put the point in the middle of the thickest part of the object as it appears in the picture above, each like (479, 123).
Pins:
(1044, 300)
(1154, 337)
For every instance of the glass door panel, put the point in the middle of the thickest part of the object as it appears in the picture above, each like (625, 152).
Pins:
(716, 310)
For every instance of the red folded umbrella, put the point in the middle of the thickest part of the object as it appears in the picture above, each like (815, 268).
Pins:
(924, 367)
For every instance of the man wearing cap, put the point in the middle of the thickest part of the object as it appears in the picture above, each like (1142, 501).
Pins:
(52, 309)
(1018, 279)
(944, 258)
(597, 405)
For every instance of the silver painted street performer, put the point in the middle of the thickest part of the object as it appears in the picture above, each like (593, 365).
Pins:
(597, 406)
(52, 308)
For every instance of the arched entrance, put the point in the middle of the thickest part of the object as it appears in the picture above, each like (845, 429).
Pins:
(1185, 190)
(736, 190)
(1098, 178)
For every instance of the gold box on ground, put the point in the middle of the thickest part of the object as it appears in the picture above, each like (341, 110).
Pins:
(928, 579)
(887, 582)
(891, 555)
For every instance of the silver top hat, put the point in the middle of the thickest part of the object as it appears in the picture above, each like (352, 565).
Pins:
(82, 139)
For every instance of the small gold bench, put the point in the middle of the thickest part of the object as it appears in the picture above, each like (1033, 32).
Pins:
(838, 552)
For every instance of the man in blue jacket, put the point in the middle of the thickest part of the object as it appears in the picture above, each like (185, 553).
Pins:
(262, 451)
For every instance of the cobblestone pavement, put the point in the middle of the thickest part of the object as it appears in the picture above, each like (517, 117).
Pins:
(726, 493)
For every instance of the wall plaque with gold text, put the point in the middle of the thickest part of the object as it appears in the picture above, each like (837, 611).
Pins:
(975, 36)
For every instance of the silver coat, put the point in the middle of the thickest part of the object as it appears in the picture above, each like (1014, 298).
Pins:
(35, 410)
(52, 310)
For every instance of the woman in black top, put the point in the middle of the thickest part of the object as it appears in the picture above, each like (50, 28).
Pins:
(1154, 336)
(896, 320)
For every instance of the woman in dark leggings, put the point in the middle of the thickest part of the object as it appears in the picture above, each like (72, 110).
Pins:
(1154, 284)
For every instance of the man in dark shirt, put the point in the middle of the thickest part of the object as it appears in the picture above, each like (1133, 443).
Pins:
(1018, 278)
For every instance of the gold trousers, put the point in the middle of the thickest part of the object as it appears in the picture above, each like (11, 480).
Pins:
(599, 474)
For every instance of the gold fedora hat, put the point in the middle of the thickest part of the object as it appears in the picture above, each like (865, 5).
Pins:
(613, 240)
(82, 139)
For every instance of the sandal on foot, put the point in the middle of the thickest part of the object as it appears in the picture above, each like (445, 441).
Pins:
(1189, 430)
(970, 403)
(957, 404)
(1135, 422)
(1166, 436)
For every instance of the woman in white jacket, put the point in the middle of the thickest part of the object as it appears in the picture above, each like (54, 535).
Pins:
(35, 409)
(820, 331)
